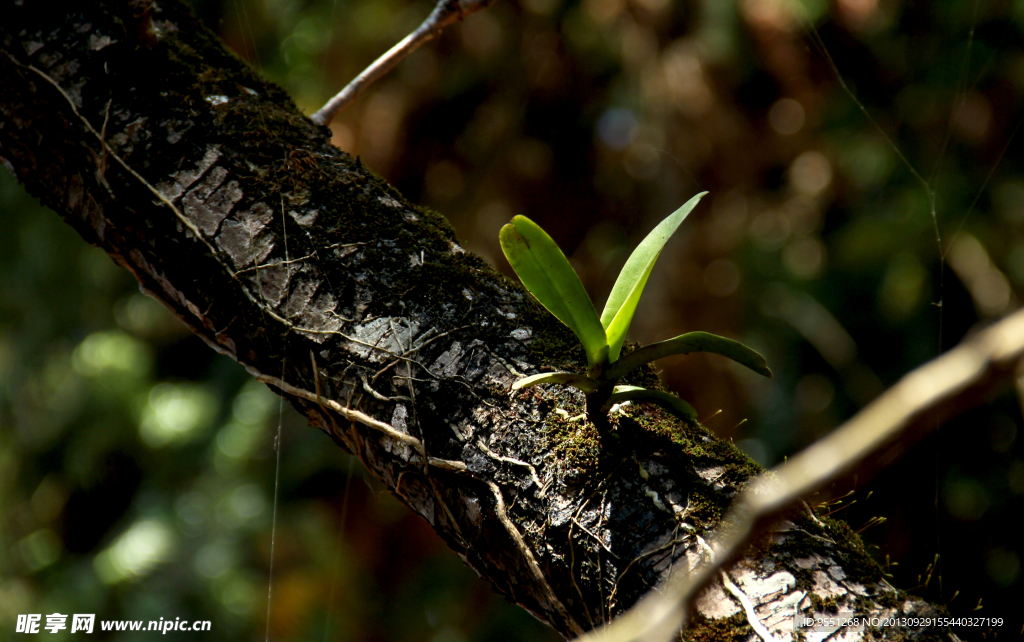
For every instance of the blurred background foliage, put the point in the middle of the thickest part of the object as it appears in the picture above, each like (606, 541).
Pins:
(137, 468)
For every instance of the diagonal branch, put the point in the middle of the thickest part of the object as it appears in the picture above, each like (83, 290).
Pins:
(950, 381)
(447, 12)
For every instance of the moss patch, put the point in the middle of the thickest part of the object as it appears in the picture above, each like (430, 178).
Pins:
(730, 629)
(575, 442)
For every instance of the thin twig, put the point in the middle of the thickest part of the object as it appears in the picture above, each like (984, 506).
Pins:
(446, 12)
(595, 536)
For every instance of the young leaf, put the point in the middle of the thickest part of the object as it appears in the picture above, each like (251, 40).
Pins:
(586, 384)
(673, 404)
(685, 344)
(622, 302)
(546, 273)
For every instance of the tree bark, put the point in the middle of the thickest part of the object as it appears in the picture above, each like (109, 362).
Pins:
(133, 122)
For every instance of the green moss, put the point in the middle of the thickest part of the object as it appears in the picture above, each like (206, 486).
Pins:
(891, 599)
(824, 605)
(645, 376)
(849, 552)
(730, 629)
(657, 424)
(853, 554)
(706, 509)
(554, 345)
(576, 443)
(658, 430)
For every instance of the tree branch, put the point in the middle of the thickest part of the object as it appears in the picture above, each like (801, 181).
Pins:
(447, 12)
(204, 180)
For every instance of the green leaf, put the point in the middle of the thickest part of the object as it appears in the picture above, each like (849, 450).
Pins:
(672, 403)
(546, 273)
(586, 384)
(685, 344)
(622, 302)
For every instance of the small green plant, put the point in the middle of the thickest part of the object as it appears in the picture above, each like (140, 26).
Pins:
(546, 273)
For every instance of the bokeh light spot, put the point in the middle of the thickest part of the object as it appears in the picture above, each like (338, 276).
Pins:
(176, 413)
(135, 553)
(111, 353)
(804, 257)
(786, 116)
(814, 393)
(1003, 566)
(810, 173)
(617, 128)
(965, 498)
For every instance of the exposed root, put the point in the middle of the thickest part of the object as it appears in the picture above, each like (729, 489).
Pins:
(362, 418)
(541, 488)
(748, 608)
(531, 561)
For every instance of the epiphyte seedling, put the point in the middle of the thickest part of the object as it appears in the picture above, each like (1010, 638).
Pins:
(547, 274)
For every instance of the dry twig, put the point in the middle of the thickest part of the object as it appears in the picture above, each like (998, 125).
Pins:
(446, 12)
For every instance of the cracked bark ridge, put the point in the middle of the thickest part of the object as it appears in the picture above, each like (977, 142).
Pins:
(284, 253)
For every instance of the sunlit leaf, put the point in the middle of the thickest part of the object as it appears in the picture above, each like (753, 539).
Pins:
(673, 404)
(586, 384)
(622, 302)
(546, 273)
(685, 344)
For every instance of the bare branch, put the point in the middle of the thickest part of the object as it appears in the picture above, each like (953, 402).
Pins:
(974, 365)
(446, 12)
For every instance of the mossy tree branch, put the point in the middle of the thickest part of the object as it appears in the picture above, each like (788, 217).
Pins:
(132, 122)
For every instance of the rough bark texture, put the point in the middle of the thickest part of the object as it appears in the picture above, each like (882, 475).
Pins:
(131, 121)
